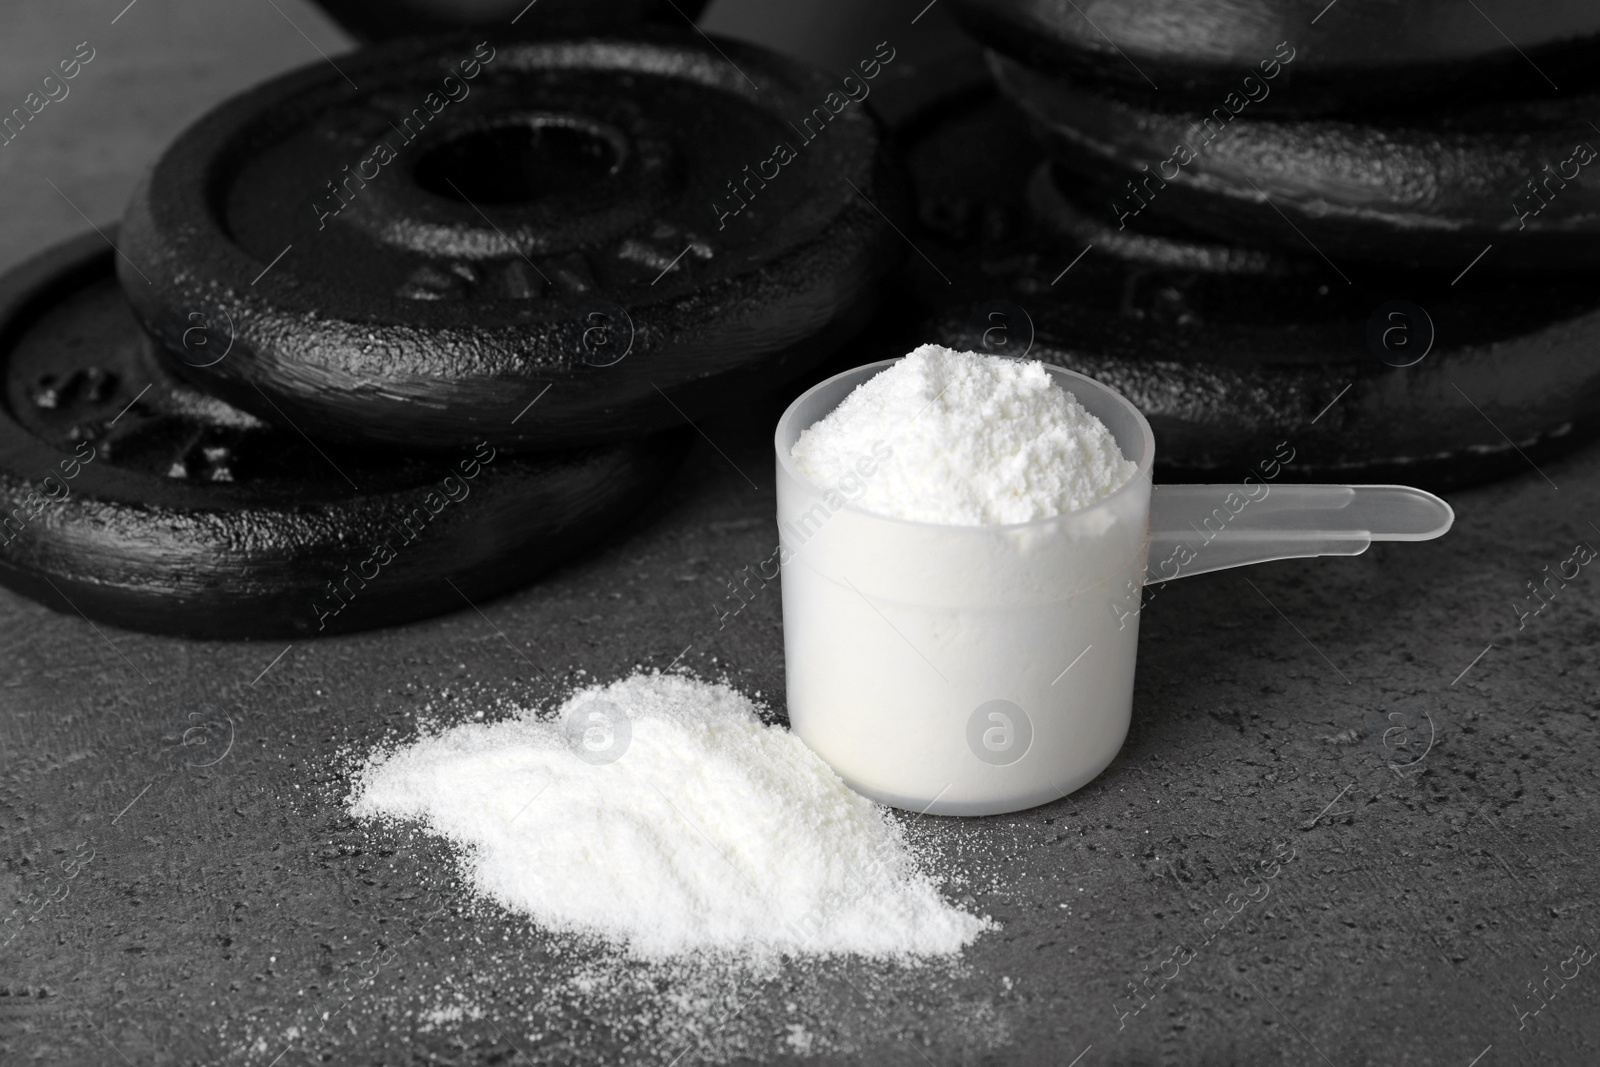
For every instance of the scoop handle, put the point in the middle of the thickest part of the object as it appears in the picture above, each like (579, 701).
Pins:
(1200, 528)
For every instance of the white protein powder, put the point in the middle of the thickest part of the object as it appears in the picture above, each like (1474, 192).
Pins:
(977, 440)
(710, 832)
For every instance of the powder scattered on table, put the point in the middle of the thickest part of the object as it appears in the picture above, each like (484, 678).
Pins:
(975, 440)
(659, 813)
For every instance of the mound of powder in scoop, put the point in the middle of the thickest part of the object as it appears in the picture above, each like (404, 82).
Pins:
(661, 814)
(976, 440)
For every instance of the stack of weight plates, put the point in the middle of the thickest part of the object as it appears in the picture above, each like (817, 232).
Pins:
(1364, 228)
(381, 340)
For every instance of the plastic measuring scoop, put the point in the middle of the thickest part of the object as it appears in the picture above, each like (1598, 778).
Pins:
(973, 670)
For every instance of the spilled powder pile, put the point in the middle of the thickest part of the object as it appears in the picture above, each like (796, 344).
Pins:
(660, 814)
(976, 440)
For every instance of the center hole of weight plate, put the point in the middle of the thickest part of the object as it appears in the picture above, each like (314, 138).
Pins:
(521, 162)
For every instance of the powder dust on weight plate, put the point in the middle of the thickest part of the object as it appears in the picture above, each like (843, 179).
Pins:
(662, 816)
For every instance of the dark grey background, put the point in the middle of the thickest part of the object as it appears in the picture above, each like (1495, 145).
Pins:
(227, 907)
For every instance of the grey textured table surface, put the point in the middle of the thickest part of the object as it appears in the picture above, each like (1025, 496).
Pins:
(161, 908)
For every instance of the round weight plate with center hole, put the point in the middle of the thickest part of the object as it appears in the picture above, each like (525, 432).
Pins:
(1300, 57)
(420, 259)
(135, 500)
(1428, 191)
(1396, 376)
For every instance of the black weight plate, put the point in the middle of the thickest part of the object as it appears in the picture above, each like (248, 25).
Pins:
(575, 200)
(1425, 191)
(1356, 56)
(1229, 353)
(1159, 243)
(144, 504)
(383, 20)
